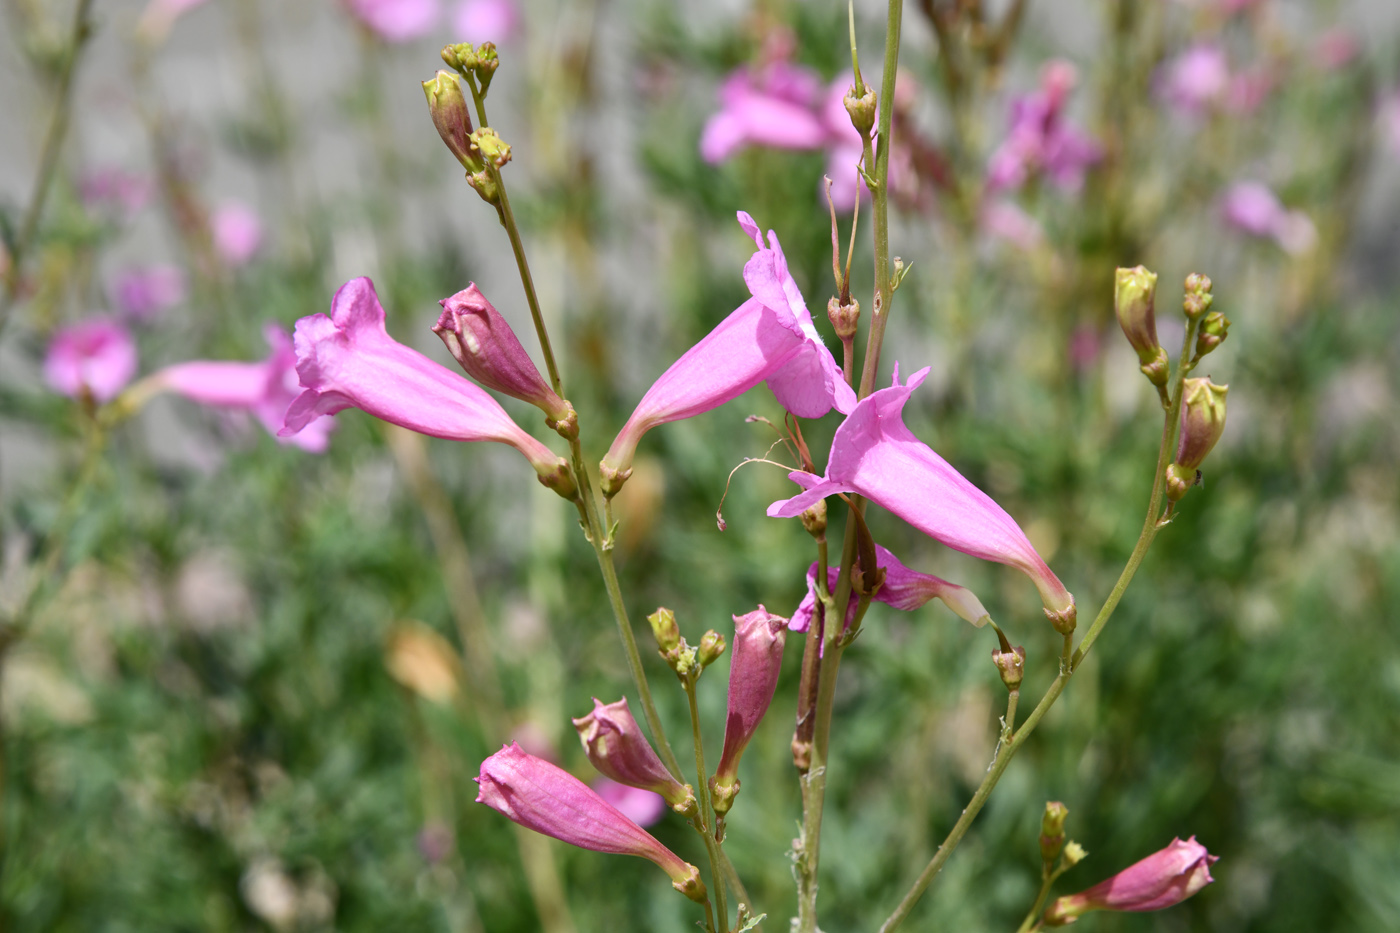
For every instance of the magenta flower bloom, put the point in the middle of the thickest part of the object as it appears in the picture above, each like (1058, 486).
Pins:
(237, 233)
(615, 744)
(754, 665)
(265, 389)
(769, 338)
(549, 800)
(479, 21)
(771, 106)
(1252, 208)
(1040, 141)
(904, 589)
(396, 20)
(875, 455)
(141, 293)
(96, 356)
(1195, 80)
(643, 807)
(348, 360)
(1162, 879)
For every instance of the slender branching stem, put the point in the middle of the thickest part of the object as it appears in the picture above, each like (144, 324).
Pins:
(1047, 881)
(702, 789)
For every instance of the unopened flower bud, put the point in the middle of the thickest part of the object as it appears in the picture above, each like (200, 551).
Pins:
(1202, 421)
(485, 185)
(1011, 665)
(759, 637)
(461, 56)
(862, 110)
(449, 112)
(1162, 879)
(844, 318)
(491, 146)
(614, 743)
(1052, 830)
(663, 626)
(1198, 297)
(486, 347)
(1214, 328)
(814, 519)
(486, 64)
(1134, 294)
(712, 645)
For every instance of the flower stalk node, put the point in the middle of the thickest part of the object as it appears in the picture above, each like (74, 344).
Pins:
(862, 109)
(1011, 665)
(722, 795)
(491, 146)
(1063, 620)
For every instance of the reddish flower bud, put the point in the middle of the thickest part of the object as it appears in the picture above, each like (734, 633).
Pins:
(1202, 421)
(757, 659)
(1162, 879)
(448, 109)
(615, 744)
(549, 800)
(1134, 294)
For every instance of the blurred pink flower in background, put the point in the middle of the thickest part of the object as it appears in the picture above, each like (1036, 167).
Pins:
(397, 20)
(141, 293)
(160, 15)
(237, 232)
(642, 807)
(480, 21)
(266, 389)
(1336, 48)
(1040, 140)
(773, 106)
(115, 191)
(1005, 220)
(97, 354)
(1251, 207)
(1390, 122)
(1196, 80)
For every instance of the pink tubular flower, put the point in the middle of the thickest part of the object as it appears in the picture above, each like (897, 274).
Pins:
(875, 455)
(237, 233)
(266, 389)
(903, 589)
(96, 356)
(396, 20)
(754, 664)
(486, 20)
(769, 338)
(1195, 80)
(143, 292)
(348, 360)
(615, 744)
(1252, 208)
(1040, 140)
(549, 800)
(1162, 879)
(771, 106)
(643, 807)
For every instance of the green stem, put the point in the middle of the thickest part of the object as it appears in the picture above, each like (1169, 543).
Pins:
(1047, 882)
(702, 787)
(1005, 753)
(48, 158)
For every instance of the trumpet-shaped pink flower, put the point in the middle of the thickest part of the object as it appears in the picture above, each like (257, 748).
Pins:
(615, 744)
(771, 106)
(549, 800)
(875, 455)
(754, 665)
(142, 293)
(237, 232)
(1161, 880)
(96, 356)
(1253, 208)
(903, 589)
(348, 360)
(1040, 140)
(266, 389)
(397, 20)
(769, 338)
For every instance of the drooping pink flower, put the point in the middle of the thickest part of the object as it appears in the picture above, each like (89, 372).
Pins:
(96, 356)
(480, 21)
(770, 106)
(769, 338)
(266, 389)
(1195, 80)
(1040, 140)
(754, 664)
(349, 360)
(643, 807)
(237, 232)
(551, 801)
(1251, 207)
(397, 20)
(616, 746)
(904, 589)
(875, 455)
(141, 293)
(1161, 880)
